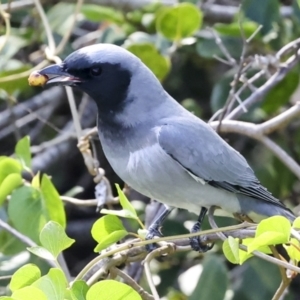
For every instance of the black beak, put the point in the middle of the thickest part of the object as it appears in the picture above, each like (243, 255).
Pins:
(57, 76)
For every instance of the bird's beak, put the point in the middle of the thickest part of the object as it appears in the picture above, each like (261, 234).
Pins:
(57, 76)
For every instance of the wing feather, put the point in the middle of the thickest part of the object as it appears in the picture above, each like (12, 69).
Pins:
(203, 153)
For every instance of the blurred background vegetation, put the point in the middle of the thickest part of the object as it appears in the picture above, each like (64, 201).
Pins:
(185, 62)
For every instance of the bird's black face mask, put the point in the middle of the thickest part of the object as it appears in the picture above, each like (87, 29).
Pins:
(106, 83)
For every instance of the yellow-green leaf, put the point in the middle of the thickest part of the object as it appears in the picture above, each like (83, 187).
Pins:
(24, 276)
(10, 182)
(22, 151)
(231, 249)
(179, 21)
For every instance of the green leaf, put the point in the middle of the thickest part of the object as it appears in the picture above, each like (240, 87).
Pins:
(29, 293)
(98, 13)
(281, 93)
(17, 84)
(126, 205)
(264, 12)
(244, 255)
(9, 166)
(36, 182)
(25, 204)
(24, 276)
(296, 223)
(60, 17)
(52, 201)
(179, 21)
(150, 56)
(7, 298)
(231, 250)
(107, 231)
(54, 238)
(53, 284)
(10, 183)
(79, 289)
(267, 238)
(277, 224)
(213, 267)
(112, 290)
(121, 213)
(22, 151)
(41, 252)
(233, 29)
(293, 249)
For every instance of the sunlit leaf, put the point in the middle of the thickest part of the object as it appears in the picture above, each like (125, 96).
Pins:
(22, 151)
(53, 284)
(179, 21)
(231, 249)
(54, 238)
(10, 182)
(149, 55)
(112, 290)
(41, 252)
(29, 293)
(107, 231)
(24, 276)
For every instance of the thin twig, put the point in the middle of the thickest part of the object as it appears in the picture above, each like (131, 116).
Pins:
(258, 95)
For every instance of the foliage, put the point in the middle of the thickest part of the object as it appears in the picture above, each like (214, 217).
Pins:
(184, 46)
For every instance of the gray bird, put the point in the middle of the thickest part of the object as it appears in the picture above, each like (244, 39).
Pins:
(159, 148)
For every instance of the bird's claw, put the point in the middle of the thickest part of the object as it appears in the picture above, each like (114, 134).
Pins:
(152, 233)
(198, 243)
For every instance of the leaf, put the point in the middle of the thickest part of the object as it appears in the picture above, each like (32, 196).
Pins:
(79, 289)
(296, 223)
(18, 83)
(281, 93)
(54, 238)
(150, 56)
(52, 201)
(179, 21)
(231, 250)
(126, 205)
(41, 252)
(53, 284)
(60, 17)
(277, 224)
(22, 151)
(267, 238)
(97, 13)
(213, 267)
(107, 231)
(9, 166)
(25, 204)
(234, 30)
(264, 12)
(244, 255)
(24, 276)
(121, 213)
(293, 249)
(36, 182)
(112, 290)
(29, 293)
(10, 183)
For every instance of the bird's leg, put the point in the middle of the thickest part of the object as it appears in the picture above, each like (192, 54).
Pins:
(197, 241)
(154, 229)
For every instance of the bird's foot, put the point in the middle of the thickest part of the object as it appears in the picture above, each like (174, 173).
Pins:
(198, 243)
(152, 233)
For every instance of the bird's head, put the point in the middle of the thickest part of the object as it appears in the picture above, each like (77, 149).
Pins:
(103, 71)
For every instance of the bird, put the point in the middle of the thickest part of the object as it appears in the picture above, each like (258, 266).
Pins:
(158, 147)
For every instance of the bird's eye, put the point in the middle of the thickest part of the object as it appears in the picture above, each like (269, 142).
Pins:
(95, 71)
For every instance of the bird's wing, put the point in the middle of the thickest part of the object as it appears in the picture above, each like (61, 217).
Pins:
(206, 156)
